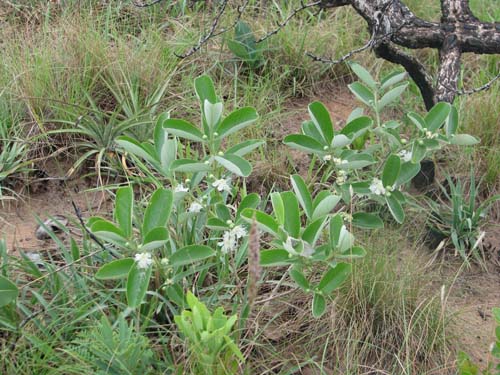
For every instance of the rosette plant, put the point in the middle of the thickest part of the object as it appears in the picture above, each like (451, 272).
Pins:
(214, 129)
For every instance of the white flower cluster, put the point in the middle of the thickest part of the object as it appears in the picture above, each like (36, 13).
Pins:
(430, 135)
(143, 260)
(377, 187)
(405, 155)
(230, 239)
(181, 189)
(222, 185)
(336, 161)
(341, 176)
(195, 207)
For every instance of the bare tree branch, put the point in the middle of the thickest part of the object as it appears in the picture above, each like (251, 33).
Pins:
(281, 25)
(456, 10)
(371, 43)
(345, 57)
(213, 33)
(458, 32)
(484, 87)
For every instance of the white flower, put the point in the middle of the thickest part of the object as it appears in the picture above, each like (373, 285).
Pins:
(327, 157)
(377, 187)
(239, 232)
(143, 260)
(195, 207)
(181, 189)
(165, 262)
(228, 243)
(221, 185)
(230, 239)
(337, 161)
(405, 155)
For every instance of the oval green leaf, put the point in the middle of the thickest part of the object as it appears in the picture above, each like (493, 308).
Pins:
(237, 120)
(395, 208)
(137, 285)
(363, 75)
(190, 254)
(275, 257)
(183, 129)
(304, 143)
(318, 305)
(303, 194)
(158, 210)
(155, 238)
(334, 277)
(437, 116)
(321, 120)
(367, 221)
(117, 269)
(124, 205)
(391, 170)
(189, 166)
(235, 164)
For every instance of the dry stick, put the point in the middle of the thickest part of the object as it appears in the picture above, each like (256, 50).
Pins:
(254, 267)
(371, 43)
(484, 87)
(303, 6)
(212, 33)
(325, 60)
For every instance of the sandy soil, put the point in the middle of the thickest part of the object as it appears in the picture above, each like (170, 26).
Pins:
(51, 195)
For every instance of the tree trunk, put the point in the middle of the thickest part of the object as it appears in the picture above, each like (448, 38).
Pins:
(393, 25)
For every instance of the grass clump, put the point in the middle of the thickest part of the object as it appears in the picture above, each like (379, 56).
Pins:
(383, 320)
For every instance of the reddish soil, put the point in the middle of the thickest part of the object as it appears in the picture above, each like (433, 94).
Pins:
(473, 295)
(49, 196)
